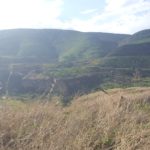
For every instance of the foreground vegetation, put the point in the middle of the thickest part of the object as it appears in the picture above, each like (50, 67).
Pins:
(119, 120)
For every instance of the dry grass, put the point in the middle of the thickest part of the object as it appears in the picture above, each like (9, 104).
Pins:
(120, 121)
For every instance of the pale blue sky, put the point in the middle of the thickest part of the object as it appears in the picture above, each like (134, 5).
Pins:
(116, 16)
(78, 8)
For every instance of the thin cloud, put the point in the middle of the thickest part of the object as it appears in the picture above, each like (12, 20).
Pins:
(119, 17)
(89, 11)
(123, 16)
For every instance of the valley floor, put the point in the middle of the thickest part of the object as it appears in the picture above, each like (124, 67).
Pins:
(119, 120)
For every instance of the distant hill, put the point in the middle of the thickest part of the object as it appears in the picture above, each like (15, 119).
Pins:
(136, 45)
(133, 51)
(32, 60)
(57, 44)
(138, 38)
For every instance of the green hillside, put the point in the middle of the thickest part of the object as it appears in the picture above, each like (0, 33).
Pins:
(132, 52)
(58, 45)
(32, 60)
(138, 38)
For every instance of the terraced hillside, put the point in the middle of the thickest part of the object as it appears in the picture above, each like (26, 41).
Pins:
(32, 59)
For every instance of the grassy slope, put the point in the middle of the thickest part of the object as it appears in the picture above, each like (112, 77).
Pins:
(137, 38)
(96, 121)
(141, 49)
(133, 52)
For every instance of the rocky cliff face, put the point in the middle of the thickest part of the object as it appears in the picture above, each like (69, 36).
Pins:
(65, 87)
(13, 83)
(22, 79)
(18, 81)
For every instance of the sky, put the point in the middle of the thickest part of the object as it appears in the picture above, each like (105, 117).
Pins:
(115, 16)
